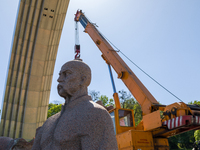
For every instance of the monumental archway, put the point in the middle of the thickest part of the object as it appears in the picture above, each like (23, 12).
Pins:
(34, 49)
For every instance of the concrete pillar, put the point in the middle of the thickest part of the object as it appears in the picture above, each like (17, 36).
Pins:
(36, 39)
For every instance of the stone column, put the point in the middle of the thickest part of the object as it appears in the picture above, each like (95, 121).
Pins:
(36, 39)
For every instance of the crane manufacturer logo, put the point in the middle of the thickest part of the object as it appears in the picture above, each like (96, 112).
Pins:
(143, 141)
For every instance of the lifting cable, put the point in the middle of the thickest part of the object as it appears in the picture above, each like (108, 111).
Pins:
(117, 50)
(77, 44)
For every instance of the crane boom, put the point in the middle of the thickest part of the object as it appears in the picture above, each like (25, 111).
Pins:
(138, 90)
(152, 131)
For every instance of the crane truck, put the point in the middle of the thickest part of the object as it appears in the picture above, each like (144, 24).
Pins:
(153, 130)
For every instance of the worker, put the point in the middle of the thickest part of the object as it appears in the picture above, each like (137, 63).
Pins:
(81, 124)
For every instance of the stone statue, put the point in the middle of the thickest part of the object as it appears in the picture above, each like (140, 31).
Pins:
(81, 124)
(7, 143)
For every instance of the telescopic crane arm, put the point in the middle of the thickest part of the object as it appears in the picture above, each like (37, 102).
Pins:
(177, 117)
(138, 90)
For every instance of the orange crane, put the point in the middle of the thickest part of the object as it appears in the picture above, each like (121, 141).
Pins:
(152, 132)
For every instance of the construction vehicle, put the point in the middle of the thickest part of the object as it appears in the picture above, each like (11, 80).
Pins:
(152, 132)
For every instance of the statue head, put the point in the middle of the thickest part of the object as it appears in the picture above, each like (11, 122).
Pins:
(74, 78)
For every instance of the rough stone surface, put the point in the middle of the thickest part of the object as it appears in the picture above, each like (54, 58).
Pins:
(7, 143)
(4, 142)
(81, 124)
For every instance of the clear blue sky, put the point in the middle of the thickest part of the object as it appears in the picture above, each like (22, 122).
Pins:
(162, 37)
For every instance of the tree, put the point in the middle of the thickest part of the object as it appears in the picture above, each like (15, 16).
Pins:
(173, 142)
(94, 94)
(137, 113)
(128, 102)
(53, 109)
(195, 102)
(197, 135)
(124, 96)
(50, 105)
(186, 140)
(106, 102)
(197, 132)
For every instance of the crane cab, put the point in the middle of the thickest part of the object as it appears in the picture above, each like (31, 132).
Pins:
(128, 138)
(123, 120)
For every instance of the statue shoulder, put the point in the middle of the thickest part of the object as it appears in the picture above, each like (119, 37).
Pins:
(51, 119)
(54, 116)
(99, 110)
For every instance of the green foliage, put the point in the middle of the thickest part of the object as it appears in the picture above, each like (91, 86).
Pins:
(51, 105)
(173, 142)
(106, 101)
(195, 102)
(124, 96)
(197, 135)
(94, 94)
(53, 109)
(182, 141)
(128, 102)
(186, 140)
(137, 113)
(197, 132)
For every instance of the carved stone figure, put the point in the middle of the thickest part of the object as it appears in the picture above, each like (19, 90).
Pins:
(4, 143)
(81, 124)
(7, 143)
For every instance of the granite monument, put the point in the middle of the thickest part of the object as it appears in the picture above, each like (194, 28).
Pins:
(81, 124)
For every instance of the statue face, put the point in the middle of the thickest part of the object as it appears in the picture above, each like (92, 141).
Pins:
(69, 80)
